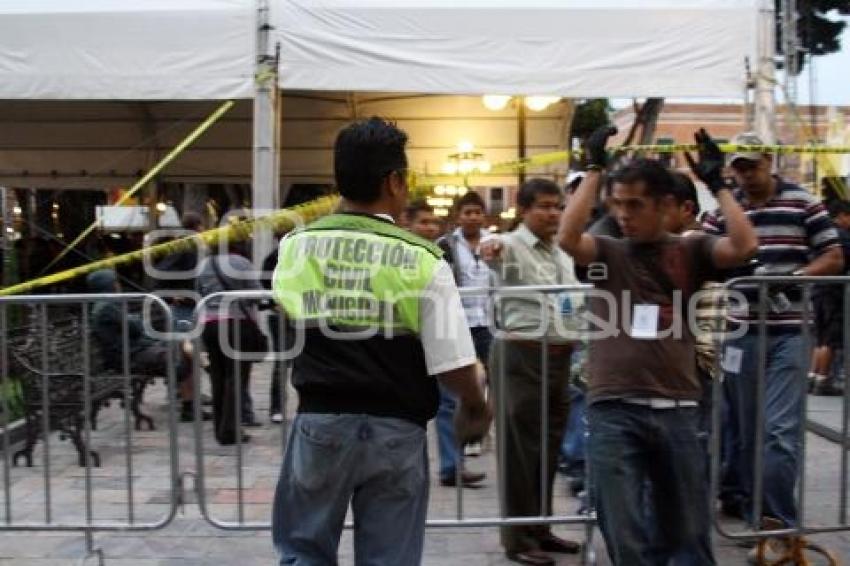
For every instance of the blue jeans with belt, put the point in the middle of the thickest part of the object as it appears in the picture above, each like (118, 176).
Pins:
(377, 464)
(647, 470)
(785, 375)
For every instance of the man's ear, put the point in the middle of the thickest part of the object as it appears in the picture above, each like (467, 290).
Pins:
(667, 203)
(387, 185)
(395, 183)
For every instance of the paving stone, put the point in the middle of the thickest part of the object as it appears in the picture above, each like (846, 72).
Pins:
(190, 540)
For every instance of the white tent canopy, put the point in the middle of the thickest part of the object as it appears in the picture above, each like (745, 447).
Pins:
(575, 48)
(206, 49)
(126, 49)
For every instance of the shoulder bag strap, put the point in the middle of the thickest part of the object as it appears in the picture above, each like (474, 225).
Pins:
(228, 287)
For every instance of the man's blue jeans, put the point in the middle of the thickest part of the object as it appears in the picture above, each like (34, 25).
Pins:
(444, 421)
(446, 445)
(640, 455)
(785, 375)
(379, 465)
(573, 446)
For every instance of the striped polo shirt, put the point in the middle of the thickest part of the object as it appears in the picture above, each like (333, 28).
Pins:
(793, 228)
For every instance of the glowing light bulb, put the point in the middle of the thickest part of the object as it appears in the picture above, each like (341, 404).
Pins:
(449, 168)
(495, 102)
(538, 103)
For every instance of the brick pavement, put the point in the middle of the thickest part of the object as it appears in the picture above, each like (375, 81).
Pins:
(189, 539)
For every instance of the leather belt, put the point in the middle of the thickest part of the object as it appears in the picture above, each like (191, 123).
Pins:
(660, 402)
(537, 345)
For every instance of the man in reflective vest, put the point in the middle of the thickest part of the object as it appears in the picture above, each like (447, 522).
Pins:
(378, 317)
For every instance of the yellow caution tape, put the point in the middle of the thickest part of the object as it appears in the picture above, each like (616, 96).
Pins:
(280, 222)
(195, 134)
(733, 148)
(561, 156)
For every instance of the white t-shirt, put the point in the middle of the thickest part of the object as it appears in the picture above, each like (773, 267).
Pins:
(444, 332)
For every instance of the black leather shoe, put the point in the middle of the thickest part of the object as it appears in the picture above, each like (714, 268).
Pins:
(467, 479)
(533, 557)
(246, 438)
(732, 509)
(827, 389)
(189, 416)
(552, 543)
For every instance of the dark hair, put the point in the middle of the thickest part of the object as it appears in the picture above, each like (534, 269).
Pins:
(837, 207)
(470, 198)
(684, 190)
(533, 187)
(416, 207)
(365, 153)
(656, 178)
(831, 188)
(192, 221)
(239, 248)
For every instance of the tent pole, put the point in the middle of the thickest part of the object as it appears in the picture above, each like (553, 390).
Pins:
(6, 237)
(265, 178)
(520, 129)
(765, 100)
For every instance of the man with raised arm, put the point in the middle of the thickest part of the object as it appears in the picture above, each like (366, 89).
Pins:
(643, 391)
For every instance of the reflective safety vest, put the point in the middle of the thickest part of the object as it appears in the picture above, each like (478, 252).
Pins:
(353, 283)
(352, 270)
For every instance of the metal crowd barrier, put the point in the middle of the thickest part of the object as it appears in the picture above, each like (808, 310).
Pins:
(41, 336)
(235, 458)
(251, 299)
(769, 288)
(588, 520)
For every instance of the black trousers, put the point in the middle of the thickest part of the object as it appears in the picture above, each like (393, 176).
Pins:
(225, 372)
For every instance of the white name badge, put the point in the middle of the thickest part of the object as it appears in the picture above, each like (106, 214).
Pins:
(645, 322)
(732, 359)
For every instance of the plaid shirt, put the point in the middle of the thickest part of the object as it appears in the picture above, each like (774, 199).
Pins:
(711, 322)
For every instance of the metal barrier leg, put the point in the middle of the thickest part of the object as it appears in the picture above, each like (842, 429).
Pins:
(45, 415)
(4, 405)
(92, 552)
(845, 407)
(588, 555)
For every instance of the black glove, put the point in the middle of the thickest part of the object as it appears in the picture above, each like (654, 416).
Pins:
(594, 147)
(709, 169)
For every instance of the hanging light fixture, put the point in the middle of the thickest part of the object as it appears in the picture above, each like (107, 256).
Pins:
(495, 102)
(540, 103)
(466, 161)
